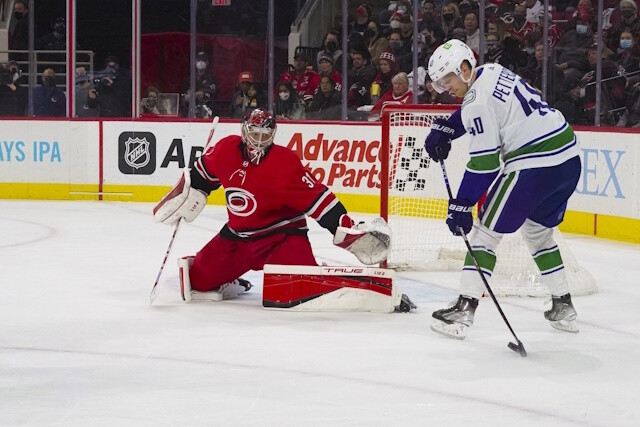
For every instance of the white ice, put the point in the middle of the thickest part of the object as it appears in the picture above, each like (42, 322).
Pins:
(80, 345)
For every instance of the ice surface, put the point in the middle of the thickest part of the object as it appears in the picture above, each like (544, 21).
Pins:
(80, 345)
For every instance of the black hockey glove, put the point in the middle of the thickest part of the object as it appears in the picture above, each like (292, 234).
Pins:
(459, 215)
(438, 142)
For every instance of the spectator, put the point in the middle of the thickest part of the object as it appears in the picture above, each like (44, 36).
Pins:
(628, 57)
(20, 84)
(111, 94)
(363, 17)
(331, 47)
(19, 35)
(303, 79)
(247, 97)
(10, 103)
(326, 68)
(431, 96)
(83, 86)
(149, 104)
(48, 99)
(628, 20)
(406, 28)
(555, 77)
(401, 51)
(327, 103)
(288, 105)
(359, 79)
(429, 14)
(450, 19)
(613, 86)
(473, 31)
(570, 102)
(400, 94)
(572, 47)
(205, 87)
(386, 73)
(377, 43)
(56, 39)
(497, 54)
(631, 116)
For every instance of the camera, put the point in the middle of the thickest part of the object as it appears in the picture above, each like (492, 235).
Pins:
(6, 78)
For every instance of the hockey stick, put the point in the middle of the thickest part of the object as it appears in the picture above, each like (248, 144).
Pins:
(519, 347)
(154, 290)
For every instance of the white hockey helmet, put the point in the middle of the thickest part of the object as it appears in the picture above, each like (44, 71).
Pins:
(258, 131)
(448, 58)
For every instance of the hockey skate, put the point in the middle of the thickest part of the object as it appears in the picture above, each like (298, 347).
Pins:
(455, 320)
(562, 315)
(229, 290)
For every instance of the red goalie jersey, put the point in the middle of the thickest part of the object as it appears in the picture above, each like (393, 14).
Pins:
(272, 197)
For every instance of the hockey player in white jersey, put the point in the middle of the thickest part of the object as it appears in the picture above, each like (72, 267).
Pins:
(526, 155)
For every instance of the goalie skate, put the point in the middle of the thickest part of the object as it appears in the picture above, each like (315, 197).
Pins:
(455, 320)
(229, 290)
(562, 314)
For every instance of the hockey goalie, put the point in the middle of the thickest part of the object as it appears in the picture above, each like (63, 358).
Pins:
(268, 196)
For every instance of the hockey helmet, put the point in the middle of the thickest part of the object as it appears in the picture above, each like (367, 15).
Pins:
(258, 131)
(448, 59)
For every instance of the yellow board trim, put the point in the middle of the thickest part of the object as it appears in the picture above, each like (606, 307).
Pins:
(603, 226)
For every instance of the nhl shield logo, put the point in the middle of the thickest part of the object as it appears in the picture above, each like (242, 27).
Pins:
(137, 153)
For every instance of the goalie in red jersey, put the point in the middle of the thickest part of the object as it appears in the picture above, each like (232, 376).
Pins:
(268, 195)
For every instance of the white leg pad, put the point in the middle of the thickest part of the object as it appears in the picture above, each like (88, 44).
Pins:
(310, 288)
(184, 264)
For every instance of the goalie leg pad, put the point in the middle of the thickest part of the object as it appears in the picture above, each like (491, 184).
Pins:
(230, 290)
(184, 264)
(310, 288)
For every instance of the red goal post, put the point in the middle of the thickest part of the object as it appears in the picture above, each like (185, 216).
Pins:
(414, 200)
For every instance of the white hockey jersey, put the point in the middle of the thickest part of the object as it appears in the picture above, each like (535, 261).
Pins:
(507, 121)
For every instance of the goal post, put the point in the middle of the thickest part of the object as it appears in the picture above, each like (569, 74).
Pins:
(414, 202)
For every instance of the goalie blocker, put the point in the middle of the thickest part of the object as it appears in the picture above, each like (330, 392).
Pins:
(309, 288)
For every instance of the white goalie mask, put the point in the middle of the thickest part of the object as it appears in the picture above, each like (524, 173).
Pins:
(446, 62)
(258, 131)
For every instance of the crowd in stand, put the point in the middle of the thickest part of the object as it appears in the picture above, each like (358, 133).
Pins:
(381, 69)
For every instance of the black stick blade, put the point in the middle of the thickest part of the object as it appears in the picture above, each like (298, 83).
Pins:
(518, 348)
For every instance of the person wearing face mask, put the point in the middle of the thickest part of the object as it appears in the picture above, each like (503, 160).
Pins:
(288, 105)
(206, 88)
(111, 94)
(572, 47)
(331, 47)
(450, 19)
(628, 57)
(56, 39)
(401, 51)
(19, 30)
(302, 77)
(627, 19)
(12, 97)
(48, 99)
(83, 86)
(376, 42)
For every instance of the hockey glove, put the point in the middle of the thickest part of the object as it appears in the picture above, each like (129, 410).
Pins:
(368, 242)
(183, 201)
(438, 142)
(459, 215)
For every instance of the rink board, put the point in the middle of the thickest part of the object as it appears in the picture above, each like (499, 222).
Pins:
(140, 161)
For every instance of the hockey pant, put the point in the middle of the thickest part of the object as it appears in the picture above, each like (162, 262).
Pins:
(533, 200)
(223, 260)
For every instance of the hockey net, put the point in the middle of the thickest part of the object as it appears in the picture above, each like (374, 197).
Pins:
(414, 202)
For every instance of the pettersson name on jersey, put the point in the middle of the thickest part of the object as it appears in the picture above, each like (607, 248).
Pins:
(339, 162)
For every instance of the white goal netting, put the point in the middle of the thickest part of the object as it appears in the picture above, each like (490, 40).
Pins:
(414, 202)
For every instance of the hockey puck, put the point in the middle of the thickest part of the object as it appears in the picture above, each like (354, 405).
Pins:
(518, 348)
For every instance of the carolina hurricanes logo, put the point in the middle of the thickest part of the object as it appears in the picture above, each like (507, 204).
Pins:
(240, 202)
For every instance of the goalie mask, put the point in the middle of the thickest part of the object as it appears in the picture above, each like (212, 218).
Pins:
(258, 131)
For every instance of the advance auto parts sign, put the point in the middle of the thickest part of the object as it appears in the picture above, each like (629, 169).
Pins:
(343, 157)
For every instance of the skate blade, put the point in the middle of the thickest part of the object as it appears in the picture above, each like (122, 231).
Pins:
(566, 326)
(205, 296)
(452, 330)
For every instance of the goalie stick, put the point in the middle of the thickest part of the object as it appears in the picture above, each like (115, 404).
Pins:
(154, 289)
(519, 347)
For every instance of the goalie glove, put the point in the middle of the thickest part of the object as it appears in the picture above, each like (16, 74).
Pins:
(182, 201)
(368, 242)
